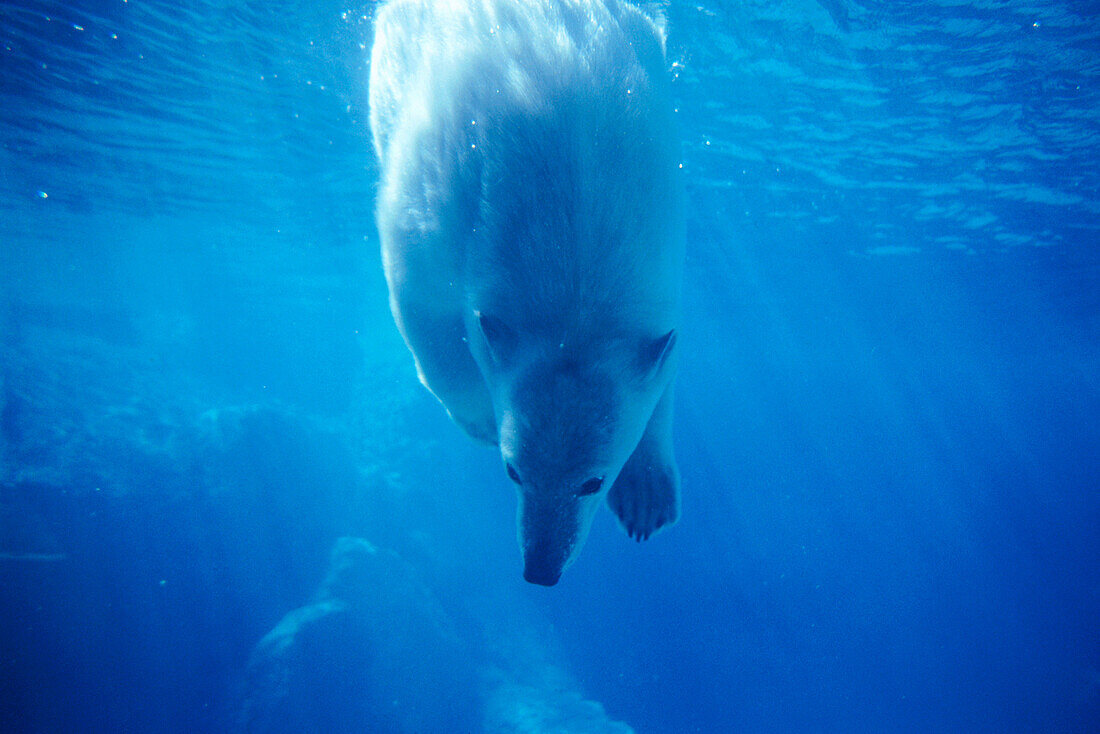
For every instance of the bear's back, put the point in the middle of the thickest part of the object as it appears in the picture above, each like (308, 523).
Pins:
(433, 58)
(533, 140)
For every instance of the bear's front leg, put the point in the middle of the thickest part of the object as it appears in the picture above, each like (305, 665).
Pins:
(646, 495)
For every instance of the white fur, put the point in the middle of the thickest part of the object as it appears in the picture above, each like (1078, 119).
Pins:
(530, 179)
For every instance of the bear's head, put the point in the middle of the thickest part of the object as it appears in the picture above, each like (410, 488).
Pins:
(570, 413)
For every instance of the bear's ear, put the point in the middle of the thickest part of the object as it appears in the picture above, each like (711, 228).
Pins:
(654, 353)
(500, 338)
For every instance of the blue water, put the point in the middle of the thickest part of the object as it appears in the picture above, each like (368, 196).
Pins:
(888, 405)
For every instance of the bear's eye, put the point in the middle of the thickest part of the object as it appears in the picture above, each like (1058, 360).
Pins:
(591, 486)
(513, 474)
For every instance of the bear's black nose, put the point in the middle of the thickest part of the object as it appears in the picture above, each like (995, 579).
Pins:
(543, 574)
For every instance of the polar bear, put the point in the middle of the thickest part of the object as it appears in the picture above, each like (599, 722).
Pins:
(530, 211)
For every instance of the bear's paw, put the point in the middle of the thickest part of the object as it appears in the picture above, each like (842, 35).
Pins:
(646, 497)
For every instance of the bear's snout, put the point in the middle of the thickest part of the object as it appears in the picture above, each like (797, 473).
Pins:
(541, 572)
(549, 534)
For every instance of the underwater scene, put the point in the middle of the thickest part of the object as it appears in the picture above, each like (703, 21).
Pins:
(861, 237)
